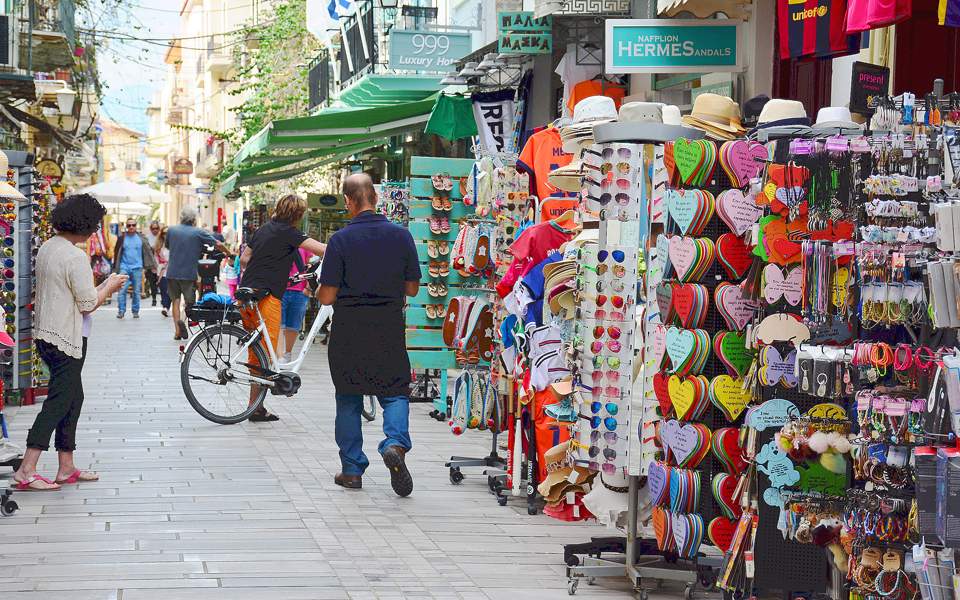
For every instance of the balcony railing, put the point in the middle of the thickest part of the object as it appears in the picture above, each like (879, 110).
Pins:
(49, 35)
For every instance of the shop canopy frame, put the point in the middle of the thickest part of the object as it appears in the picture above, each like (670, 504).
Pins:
(289, 147)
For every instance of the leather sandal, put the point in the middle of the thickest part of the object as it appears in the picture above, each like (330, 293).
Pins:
(435, 226)
(443, 247)
(441, 290)
(444, 225)
(432, 249)
(446, 204)
(441, 311)
(444, 268)
(431, 311)
(437, 203)
(433, 268)
(432, 290)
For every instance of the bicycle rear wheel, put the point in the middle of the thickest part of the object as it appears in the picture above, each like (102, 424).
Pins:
(210, 381)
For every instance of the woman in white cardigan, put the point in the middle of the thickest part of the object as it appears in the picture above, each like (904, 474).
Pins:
(65, 299)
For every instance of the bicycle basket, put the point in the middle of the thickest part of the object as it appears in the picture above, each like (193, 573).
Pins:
(213, 314)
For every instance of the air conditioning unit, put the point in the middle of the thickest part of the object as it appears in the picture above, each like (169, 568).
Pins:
(8, 39)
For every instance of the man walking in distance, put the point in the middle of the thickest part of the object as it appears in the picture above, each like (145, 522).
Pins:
(185, 242)
(368, 268)
(151, 275)
(132, 255)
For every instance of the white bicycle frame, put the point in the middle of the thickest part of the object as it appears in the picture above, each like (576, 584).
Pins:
(325, 313)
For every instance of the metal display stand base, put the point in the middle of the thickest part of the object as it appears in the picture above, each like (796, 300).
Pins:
(495, 471)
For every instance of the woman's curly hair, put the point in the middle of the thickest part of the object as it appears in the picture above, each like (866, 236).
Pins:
(80, 213)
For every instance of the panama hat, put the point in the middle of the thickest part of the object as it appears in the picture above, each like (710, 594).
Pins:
(783, 113)
(590, 111)
(715, 114)
(7, 191)
(550, 268)
(835, 117)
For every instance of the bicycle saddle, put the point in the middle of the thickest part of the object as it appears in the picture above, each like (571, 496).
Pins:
(246, 294)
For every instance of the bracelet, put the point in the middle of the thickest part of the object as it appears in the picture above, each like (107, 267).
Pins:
(901, 363)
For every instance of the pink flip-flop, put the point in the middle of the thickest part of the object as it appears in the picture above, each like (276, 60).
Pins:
(24, 486)
(76, 477)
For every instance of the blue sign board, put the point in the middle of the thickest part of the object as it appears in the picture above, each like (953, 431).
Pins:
(414, 50)
(671, 46)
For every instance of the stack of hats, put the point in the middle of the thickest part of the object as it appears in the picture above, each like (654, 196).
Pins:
(561, 480)
(590, 111)
(559, 285)
(717, 116)
(835, 118)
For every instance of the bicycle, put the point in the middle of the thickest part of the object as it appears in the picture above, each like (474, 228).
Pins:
(214, 372)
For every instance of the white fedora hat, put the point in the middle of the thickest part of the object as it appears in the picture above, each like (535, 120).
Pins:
(835, 117)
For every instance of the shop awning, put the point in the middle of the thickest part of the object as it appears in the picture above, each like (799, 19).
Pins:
(330, 129)
(702, 9)
(286, 167)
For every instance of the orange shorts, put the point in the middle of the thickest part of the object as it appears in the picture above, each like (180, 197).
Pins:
(270, 310)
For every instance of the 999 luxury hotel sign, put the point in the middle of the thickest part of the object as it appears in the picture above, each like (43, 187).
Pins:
(671, 46)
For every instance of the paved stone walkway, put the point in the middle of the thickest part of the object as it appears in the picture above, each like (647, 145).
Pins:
(188, 510)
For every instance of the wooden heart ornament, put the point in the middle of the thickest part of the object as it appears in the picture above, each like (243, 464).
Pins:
(728, 394)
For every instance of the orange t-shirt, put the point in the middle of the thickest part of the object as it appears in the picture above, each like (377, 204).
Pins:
(593, 87)
(543, 153)
(551, 208)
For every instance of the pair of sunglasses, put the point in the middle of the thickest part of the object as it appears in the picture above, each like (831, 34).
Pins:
(613, 362)
(608, 468)
(612, 376)
(612, 330)
(609, 422)
(612, 345)
(611, 407)
(605, 198)
(608, 453)
(610, 437)
(617, 255)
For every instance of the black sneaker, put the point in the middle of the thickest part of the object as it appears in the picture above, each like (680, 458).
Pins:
(119, 315)
(400, 478)
(136, 315)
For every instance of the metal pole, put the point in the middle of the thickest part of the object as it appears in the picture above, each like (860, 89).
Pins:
(644, 9)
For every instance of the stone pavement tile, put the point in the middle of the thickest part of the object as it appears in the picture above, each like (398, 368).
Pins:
(185, 505)
(261, 593)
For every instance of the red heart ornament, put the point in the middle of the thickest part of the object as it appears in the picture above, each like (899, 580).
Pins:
(683, 303)
(720, 531)
(729, 439)
(724, 487)
(735, 255)
(662, 392)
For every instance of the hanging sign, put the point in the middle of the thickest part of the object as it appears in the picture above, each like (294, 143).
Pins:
(869, 82)
(414, 50)
(522, 33)
(182, 166)
(671, 46)
(50, 168)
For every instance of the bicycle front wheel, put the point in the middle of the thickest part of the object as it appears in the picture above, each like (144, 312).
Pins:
(215, 385)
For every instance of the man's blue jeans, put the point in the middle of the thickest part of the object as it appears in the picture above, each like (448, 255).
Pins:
(349, 436)
(135, 278)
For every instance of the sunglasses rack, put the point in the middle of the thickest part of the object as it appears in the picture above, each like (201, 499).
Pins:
(48, 196)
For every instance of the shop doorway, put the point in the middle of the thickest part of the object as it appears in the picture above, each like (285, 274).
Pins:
(925, 51)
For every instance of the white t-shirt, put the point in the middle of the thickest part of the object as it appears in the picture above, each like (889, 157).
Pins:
(571, 73)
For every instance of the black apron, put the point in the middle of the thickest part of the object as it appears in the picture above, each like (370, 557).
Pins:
(368, 350)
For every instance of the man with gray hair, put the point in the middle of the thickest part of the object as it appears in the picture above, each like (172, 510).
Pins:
(186, 242)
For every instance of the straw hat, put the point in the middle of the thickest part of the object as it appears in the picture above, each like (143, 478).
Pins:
(641, 112)
(559, 472)
(716, 115)
(567, 177)
(7, 191)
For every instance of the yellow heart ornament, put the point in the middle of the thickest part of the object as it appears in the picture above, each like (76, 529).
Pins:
(728, 395)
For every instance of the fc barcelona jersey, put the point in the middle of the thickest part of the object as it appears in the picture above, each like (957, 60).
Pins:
(814, 28)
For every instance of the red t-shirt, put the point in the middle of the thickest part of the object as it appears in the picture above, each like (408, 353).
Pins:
(533, 245)
(543, 153)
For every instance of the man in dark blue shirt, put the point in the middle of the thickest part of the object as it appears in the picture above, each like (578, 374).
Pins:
(368, 268)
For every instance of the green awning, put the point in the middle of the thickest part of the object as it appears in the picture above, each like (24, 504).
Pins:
(332, 128)
(284, 169)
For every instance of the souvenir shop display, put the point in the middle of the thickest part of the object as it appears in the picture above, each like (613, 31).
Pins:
(393, 201)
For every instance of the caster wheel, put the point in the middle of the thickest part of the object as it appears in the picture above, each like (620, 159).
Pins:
(592, 581)
(688, 592)
(456, 477)
(8, 508)
(531, 510)
(442, 416)
(572, 586)
(643, 595)
(502, 500)
(492, 483)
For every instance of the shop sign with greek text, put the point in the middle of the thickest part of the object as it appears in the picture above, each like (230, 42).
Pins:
(414, 50)
(522, 33)
(671, 46)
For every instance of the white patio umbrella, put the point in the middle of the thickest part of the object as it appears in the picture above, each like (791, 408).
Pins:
(123, 191)
(127, 208)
